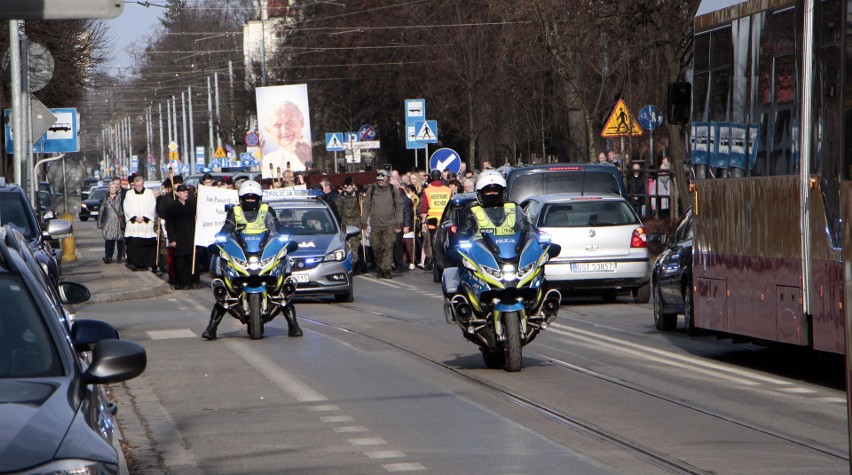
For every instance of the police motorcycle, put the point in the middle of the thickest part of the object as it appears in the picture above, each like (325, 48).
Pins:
(498, 296)
(256, 284)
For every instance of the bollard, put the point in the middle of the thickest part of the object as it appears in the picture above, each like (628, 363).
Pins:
(68, 243)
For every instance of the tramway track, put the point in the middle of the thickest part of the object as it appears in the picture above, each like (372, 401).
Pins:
(651, 456)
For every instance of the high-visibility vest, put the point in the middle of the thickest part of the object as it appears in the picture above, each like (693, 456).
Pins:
(486, 226)
(257, 226)
(438, 196)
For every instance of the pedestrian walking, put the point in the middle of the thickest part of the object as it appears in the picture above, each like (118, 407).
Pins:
(180, 216)
(383, 209)
(141, 239)
(111, 222)
(349, 207)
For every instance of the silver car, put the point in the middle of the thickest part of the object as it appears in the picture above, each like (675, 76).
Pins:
(323, 263)
(604, 245)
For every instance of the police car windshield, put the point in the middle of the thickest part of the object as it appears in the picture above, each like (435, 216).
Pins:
(306, 221)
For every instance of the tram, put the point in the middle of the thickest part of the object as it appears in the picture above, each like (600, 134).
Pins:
(770, 134)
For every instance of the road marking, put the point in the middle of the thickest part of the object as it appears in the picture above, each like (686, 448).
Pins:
(364, 441)
(171, 334)
(333, 419)
(283, 379)
(348, 429)
(621, 344)
(841, 400)
(385, 454)
(797, 390)
(403, 467)
(324, 408)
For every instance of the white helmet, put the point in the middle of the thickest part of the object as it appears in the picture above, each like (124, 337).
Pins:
(491, 180)
(251, 193)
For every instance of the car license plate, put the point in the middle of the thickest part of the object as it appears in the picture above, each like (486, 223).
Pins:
(593, 266)
(300, 277)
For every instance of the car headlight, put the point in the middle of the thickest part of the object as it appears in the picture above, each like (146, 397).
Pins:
(83, 205)
(337, 255)
(72, 467)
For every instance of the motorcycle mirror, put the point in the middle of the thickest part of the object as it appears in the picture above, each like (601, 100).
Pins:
(553, 251)
(292, 247)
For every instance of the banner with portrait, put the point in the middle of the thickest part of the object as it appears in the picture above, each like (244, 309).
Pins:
(284, 123)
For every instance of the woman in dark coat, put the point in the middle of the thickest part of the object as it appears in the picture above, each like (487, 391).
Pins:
(180, 224)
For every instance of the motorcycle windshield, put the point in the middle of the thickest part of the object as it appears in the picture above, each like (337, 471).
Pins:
(254, 242)
(504, 247)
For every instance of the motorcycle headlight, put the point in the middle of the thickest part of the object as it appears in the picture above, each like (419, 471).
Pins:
(254, 263)
(72, 467)
(509, 272)
(493, 272)
(239, 262)
(337, 255)
(468, 265)
(523, 271)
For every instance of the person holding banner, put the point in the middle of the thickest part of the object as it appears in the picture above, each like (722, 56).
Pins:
(180, 214)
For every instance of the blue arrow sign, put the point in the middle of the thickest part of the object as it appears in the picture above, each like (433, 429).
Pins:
(334, 142)
(650, 118)
(445, 159)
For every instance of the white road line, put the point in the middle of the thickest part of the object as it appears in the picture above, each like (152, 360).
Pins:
(171, 334)
(841, 400)
(334, 419)
(692, 362)
(283, 379)
(385, 454)
(797, 390)
(403, 467)
(349, 429)
(365, 441)
(323, 408)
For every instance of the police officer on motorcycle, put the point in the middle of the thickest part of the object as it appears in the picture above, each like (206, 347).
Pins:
(492, 213)
(251, 216)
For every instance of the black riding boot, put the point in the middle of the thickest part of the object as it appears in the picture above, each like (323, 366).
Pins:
(215, 317)
(290, 315)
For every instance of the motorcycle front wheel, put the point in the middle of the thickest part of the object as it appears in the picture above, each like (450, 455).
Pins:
(255, 324)
(512, 328)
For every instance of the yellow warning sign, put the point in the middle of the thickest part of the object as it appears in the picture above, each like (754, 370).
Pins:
(173, 155)
(219, 153)
(621, 123)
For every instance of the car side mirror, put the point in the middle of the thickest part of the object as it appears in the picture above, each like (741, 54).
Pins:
(352, 231)
(85, 334)
(59, 229)
(114, 361)
(657, 238)
(73, 293)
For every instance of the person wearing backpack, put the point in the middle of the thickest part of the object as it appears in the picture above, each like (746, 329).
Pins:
(383, 211)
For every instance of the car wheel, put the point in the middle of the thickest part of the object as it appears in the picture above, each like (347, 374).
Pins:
(642, 294)
(84, 218)
(347, 297)
(609, 296)
(689, 311)
(663, 321)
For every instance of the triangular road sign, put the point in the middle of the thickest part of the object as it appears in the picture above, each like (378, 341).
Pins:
(219, 153)
(621, 123)
(426, 134)
(334, 143)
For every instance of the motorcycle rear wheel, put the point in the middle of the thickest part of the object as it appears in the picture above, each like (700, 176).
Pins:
(512, 329)
(255, 324)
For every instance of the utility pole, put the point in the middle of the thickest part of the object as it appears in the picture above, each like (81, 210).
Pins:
(191, 133)
(186, 155)
(162, 149)
(17, 118)
(210, 115)
(218, 118)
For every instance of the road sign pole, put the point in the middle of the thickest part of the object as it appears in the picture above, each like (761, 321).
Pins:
(426, 156)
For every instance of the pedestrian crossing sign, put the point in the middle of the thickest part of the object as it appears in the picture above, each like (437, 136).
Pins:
(334, 142)
(621, 123)
(220, 153)
(426, 131)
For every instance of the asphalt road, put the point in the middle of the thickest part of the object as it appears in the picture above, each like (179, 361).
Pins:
(385, 385)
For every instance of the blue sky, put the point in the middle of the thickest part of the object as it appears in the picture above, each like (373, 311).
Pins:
(131, 29)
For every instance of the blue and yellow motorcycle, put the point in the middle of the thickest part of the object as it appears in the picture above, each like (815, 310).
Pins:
(256, 284)
(497, 295)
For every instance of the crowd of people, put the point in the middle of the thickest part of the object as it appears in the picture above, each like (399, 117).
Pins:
(649, 190)
(152, 229)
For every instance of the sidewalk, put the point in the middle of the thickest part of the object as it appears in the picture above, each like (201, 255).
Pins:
(107, 282)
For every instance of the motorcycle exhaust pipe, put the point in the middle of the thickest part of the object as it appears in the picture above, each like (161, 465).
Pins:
(220, 292)
(462, 309)
(289, 289)
(550, 306)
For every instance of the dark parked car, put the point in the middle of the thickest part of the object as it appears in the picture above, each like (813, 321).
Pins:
(87, 185)
(15, 210)
(445, 235)
(671, 278)
(90, 208)
(54, 414)
(590, 178)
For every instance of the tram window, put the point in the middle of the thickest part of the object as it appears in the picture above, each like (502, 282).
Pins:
(719, 95)
(699, 88)
(721, 48)
(702, 52)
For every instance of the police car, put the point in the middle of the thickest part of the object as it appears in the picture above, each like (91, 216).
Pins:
(323, 263)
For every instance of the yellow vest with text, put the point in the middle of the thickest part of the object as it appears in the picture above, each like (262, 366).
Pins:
(438, 197)
(257, 226)
(486, 226)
